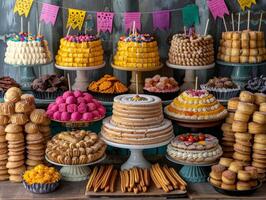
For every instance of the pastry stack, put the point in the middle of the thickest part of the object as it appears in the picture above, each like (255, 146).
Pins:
(232, 175)
(3, 149)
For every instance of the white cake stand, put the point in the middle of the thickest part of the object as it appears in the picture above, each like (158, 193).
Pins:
(82, 79)
(75, 172)
(136, 158)
(189, 80)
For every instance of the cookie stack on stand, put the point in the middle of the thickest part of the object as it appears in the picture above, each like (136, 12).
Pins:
(16, 115)
(228, 139)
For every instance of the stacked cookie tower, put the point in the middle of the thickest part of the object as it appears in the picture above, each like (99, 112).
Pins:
(16, 112)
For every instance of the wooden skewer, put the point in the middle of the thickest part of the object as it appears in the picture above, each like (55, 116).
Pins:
(239, 18)
(225, 25)
(248, 19)
(233, 23)
(206, 27)
(261, 16)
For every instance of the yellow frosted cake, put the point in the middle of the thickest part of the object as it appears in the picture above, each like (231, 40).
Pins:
(137, 51)
(80, 51)
(196, 105)
(242, 47)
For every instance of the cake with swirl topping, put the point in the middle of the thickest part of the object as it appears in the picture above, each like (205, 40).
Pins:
(196, 105)
(137, 120)
(191, 50)
(80, 51)
(137, 51)
(195, 148)
(27, 49)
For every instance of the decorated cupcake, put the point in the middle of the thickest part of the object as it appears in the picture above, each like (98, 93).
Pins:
(75, 106)
(257, 85)
(223, 88)
(49, 86)
(164, 87)
(107, 87)
(7, 82)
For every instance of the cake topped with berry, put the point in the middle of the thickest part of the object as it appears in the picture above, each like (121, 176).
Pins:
(195, 148)
(196, 105)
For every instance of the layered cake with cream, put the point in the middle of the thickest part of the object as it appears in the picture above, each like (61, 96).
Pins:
(137, 120)
(195, 148)
(191, 50)
(242, 47)
(80, 51)
(27, 49)
(195, 105)
(137, 51)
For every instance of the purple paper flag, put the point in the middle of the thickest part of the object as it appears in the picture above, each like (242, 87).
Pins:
(105, 21)
(49, 13)
(218, 8)
(130, 17)
(161, 19)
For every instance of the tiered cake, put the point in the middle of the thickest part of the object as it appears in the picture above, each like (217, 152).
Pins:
(242, 47)
(196, 105)
(27, 49)
(80, 51)
(137, 51)
(192, 50)
(137, 120)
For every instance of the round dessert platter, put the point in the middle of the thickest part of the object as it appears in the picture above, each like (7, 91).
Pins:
(136, 72)
(136, 158)
(241, 71)
(82, 78)
(76, 172)
(193, 172)
(27, 74)
(190, 71)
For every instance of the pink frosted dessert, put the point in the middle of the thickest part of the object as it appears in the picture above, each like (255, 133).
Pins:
(76, 106)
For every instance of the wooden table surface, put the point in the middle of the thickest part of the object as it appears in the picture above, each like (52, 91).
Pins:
(76, 190)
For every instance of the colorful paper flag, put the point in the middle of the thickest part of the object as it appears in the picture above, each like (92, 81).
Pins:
(105, 21)
(218, 8)
(161, 19)
(130, 17)
(49, 13)
(246, 3)
(75, 18)
(190, 15)
(23, 7)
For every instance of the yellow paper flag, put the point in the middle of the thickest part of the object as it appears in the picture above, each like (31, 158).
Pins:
(75, 18)
(23, 7)
(246, 3)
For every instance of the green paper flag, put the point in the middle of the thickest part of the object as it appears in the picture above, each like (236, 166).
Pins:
(190, 15)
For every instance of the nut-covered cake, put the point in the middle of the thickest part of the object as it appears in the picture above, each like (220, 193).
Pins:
(195, 148)
(76, 147)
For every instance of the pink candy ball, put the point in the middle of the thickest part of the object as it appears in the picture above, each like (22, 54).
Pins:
(50, 113)
(54, 108)
(67, 94)
(82, 108)
(87, 116)
(57, 115)
(71, 100)
(96, 114)
(101, 110)
(72, 108)
(76, 116)
(51, 105)
(91, 106)
(60, 100)
(88, 97)
(62, 107)
(78, 93)
(65, 116)
(96, 102)
(81, 100)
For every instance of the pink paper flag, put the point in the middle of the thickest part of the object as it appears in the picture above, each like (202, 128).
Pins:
(218, 8)
(105, 21)
(49, 13)
(130, 17)
(161, 20)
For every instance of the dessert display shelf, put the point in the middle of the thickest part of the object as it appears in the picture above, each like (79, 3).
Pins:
(189, 80)
(75, 172)
(193, 172)
(136, 72)
(136, 158)
(82, 80)
(241, 71)
(27, 74)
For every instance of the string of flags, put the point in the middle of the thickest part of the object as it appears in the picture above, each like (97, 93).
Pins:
(161, 19)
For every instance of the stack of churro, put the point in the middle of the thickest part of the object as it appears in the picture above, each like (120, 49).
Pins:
(166, 178)
(135, 180)
(102, 179)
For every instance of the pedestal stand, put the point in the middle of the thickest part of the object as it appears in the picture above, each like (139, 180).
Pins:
(138, 71)
(82, 80)
(190, 71)
(241, 71)
(136, 158)
(75, 172)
